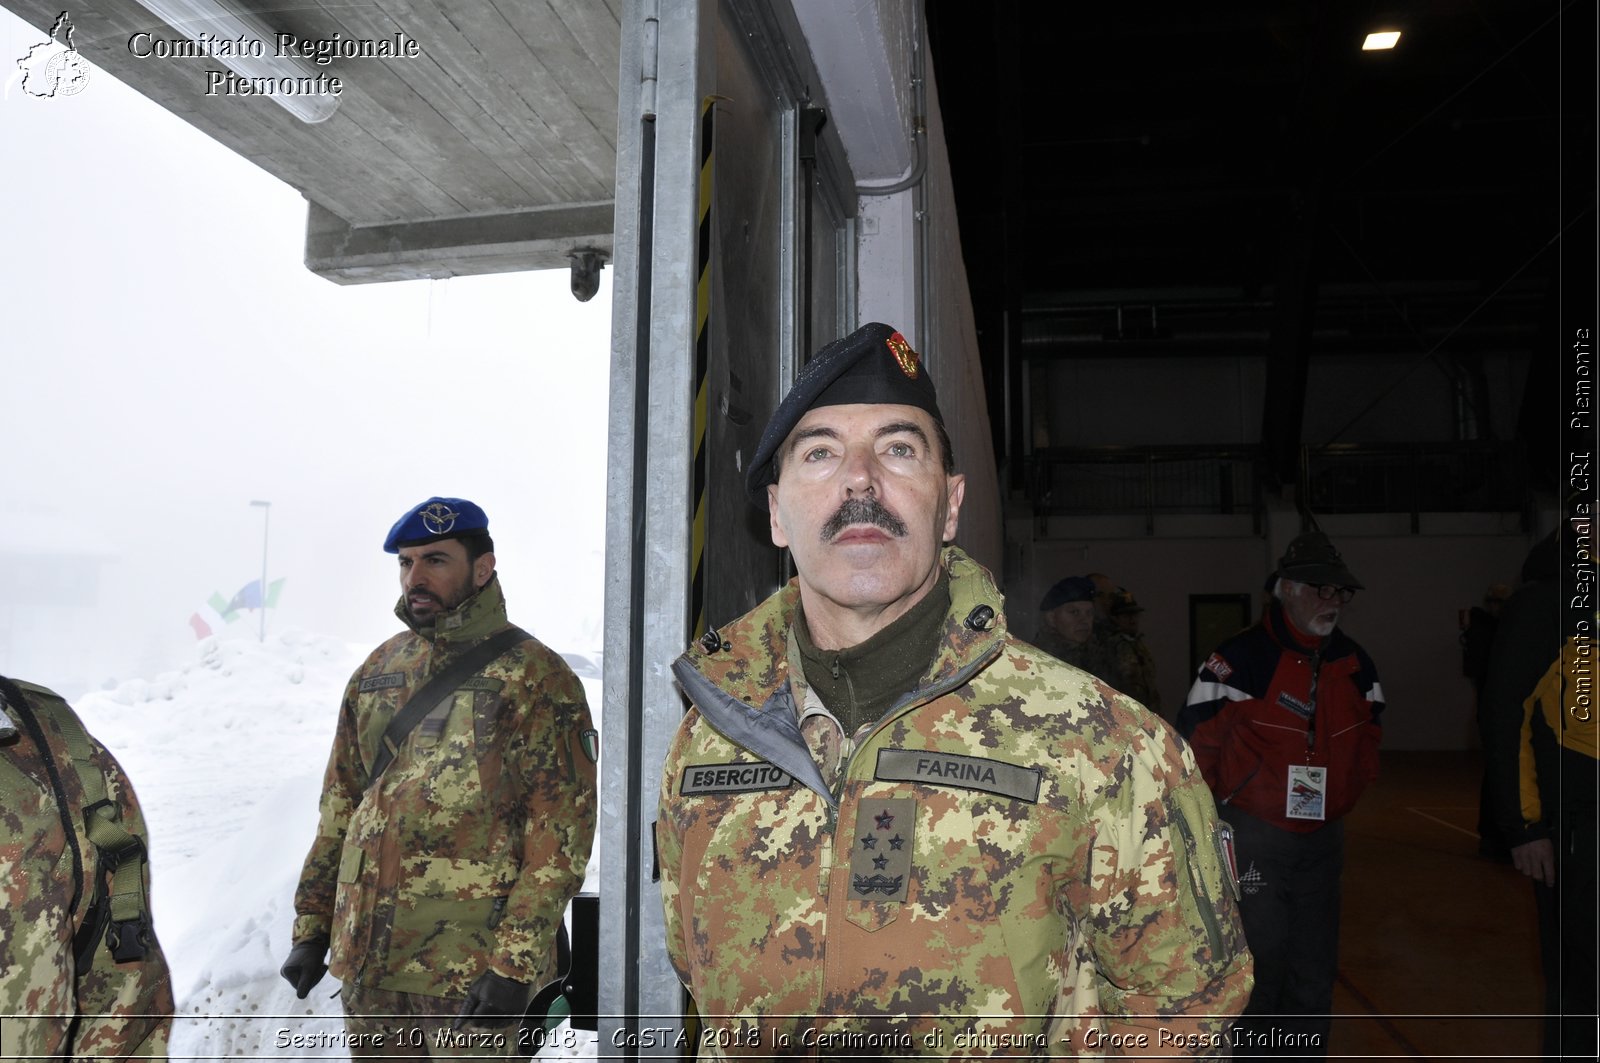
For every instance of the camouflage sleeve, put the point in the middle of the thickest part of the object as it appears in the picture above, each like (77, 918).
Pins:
(558, 791)
(1156, 903)
(669, 856)
(342, 784)
(125, 1009)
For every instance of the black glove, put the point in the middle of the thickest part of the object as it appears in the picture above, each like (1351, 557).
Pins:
(493, 1000)
(304, 967)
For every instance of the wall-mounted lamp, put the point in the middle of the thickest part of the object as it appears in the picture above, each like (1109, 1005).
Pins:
(586, 265)
(1381, 41)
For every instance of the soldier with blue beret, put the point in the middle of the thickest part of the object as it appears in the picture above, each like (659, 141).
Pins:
(889, 827)
(457, 812)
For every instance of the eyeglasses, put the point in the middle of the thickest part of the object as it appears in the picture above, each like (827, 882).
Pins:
(1328, 593)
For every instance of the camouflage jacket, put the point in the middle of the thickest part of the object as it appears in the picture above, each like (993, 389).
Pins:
(1136, 670)
(1092, 656)
(1015, 860)
(47, 1007)
(466, 852)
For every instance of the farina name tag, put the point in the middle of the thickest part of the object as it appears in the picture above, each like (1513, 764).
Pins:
(382, 682)
(738, 778)
(958, 770)
(1308, 792)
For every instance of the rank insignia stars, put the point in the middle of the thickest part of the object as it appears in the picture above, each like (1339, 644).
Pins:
(881, 873)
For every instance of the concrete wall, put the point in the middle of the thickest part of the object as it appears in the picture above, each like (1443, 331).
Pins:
(953, 346)
(895, 249)
(909, 269)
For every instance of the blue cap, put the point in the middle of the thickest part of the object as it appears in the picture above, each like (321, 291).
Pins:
(1071, 589)
(874, 364)
(435, 519)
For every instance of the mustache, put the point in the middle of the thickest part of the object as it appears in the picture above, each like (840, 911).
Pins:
(867, 510)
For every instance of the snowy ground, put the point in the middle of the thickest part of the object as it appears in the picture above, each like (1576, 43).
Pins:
(227, 756)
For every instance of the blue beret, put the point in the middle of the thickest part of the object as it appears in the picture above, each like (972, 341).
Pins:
(1071, 589)
(874, 364)
(435, 519)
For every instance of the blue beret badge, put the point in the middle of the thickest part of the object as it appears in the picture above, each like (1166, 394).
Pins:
(437, 518)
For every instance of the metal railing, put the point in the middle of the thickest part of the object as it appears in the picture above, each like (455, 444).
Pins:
(1148, 480)
(1415, 478)
(1480, 476)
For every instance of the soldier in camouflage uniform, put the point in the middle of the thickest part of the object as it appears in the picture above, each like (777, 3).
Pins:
(889, 828)
(1069, 631)
(441, 885)
(63, 991)
(1136, 665)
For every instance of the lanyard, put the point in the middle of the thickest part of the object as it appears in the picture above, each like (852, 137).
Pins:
(1311, 720)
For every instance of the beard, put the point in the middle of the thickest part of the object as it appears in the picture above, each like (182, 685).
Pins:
(867, 510)
(1322, 626)
(435, 606)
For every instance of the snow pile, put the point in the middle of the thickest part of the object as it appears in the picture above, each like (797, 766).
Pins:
(227, 755)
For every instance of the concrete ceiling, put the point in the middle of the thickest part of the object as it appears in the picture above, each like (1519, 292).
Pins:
(493, 149)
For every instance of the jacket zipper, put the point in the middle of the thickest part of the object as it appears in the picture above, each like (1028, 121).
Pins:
(955, 682)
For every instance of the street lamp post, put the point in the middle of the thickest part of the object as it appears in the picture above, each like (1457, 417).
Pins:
(266, 514)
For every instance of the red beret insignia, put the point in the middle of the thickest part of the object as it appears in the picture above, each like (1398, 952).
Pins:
(904, 356)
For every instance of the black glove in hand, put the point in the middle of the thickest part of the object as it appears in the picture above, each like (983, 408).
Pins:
(493, 1000)
(305, 967)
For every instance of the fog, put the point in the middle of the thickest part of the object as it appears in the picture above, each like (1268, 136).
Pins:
(168, 359)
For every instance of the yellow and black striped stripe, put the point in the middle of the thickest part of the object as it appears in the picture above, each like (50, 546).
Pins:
(702, 385)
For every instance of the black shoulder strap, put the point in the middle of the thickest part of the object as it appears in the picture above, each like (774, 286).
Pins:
(435, 690)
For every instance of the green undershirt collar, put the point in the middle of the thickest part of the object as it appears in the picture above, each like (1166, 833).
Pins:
(859, 684)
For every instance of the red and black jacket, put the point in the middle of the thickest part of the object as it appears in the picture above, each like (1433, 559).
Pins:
(1268, 699)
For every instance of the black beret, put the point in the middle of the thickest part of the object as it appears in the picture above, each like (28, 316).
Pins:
(1066, 591)
(435, 519)
(874, 364)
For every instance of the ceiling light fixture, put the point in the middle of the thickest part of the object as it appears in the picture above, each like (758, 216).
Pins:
(1381, 41)
(215, 25)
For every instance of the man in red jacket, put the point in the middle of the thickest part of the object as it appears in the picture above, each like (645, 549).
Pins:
(1283, 719)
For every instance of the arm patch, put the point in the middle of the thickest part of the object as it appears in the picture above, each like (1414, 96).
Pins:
(1219, 667)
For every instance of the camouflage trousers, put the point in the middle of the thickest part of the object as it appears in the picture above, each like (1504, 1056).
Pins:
(381, 1024)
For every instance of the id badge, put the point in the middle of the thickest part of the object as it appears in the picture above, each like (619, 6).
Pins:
(1308, 792)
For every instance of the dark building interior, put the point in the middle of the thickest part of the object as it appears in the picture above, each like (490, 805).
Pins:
(1234, 189)
(1225, 261)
